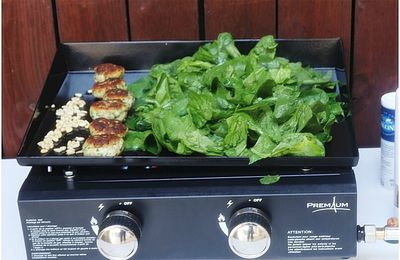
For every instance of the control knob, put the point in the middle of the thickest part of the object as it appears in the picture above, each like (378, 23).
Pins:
(119, 235)
(249, 233)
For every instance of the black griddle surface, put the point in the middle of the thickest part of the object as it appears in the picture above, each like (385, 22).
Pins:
(72, 73)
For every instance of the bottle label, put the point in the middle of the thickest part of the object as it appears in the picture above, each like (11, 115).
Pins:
(387, 164)
(387, 124)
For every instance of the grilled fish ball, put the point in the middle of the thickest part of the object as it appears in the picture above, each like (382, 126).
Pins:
(103, 145)
(100, 88)
(119, 94)
(101, 126)
(108, 71)
(109, 109)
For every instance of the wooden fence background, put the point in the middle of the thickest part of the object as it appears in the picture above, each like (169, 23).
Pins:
(31, 30)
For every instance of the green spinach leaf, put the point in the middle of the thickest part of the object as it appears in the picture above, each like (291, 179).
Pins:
(219, 102)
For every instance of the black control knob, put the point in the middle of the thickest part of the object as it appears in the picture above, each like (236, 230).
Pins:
(119, 235)
(249, 233)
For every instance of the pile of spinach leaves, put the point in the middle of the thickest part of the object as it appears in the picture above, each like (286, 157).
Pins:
(219, 102)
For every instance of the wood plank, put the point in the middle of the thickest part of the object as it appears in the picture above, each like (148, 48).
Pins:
(92, 20)
(28, 47)
(242, 18)
(164, 19)
(375, 64)
(316, 19)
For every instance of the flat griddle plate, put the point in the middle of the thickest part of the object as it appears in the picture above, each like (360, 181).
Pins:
(72, 73)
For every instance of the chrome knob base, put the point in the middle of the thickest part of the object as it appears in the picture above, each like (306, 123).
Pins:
(249, 233)
(119, 235)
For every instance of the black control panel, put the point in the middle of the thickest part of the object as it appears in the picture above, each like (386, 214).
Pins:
(300, 216)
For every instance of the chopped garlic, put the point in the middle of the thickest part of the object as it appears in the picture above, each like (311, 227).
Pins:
(70, 152)
(73, 144)
(69, 118)
(60, 149)
(79, 138)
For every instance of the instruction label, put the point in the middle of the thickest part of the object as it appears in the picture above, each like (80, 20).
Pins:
(301, 241)
(52, 241)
